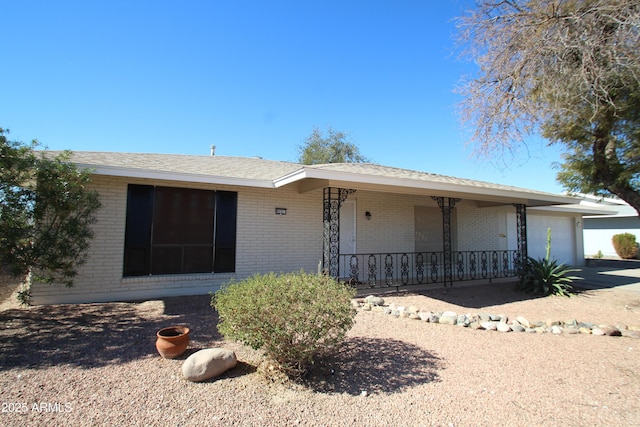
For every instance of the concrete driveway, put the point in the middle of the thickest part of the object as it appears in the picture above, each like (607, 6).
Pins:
(608, 277)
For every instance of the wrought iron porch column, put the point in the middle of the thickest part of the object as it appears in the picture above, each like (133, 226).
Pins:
(446, 205)
(332, 200)
(521, 233)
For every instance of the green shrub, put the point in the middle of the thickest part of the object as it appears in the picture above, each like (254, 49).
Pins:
(545, 276)
(293, 317)
(625, 245)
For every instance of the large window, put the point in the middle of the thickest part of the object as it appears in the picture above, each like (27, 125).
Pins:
(179, 230)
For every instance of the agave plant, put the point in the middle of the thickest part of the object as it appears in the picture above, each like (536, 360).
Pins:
(545, 276)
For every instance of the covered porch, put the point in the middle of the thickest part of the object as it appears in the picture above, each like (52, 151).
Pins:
(388, 227)
(438, 261)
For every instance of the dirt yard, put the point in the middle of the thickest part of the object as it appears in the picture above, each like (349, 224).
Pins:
(96, 364)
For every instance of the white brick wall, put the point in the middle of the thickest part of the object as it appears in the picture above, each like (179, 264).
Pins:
(280, 243)
(392, 224)
(265, 241)
(481, 228)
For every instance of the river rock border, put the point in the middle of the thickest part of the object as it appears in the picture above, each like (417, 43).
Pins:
(495, 322)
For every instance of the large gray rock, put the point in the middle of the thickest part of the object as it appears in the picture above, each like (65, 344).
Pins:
(463, 320)
(475, 325)
(523, 321)
(449, 318)
(434, 318)
(503, 327)
(374, 300)
(611, 331)
(489, 326)
(208, 363)
(413, 309)
(425, 315)
(552, 322)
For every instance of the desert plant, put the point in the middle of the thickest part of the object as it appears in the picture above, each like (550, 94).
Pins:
(625, 245)
(294, 318)
(545, 276)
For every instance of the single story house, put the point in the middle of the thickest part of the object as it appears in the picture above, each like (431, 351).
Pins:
(174, 225)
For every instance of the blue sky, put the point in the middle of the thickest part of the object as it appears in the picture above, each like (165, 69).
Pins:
(251, 77)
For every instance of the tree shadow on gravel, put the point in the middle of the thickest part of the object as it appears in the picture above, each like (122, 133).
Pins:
(94, 335)
(374, 365)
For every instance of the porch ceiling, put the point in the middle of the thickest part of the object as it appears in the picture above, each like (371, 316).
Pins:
(392, 180)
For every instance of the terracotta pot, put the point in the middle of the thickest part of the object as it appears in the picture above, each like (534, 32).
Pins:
(172, 341)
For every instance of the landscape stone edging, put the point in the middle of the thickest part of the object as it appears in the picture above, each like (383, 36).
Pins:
(496, 322)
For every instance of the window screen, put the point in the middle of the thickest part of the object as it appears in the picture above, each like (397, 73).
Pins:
(179, 231)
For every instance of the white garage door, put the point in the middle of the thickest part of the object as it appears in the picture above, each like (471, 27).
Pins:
(563, 239)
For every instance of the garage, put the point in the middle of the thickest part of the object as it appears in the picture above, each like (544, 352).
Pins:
(563, 238)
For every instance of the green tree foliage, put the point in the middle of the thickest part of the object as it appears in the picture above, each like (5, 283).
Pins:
(335, 147)
(46, 212)
(568, 70)
(293, 317)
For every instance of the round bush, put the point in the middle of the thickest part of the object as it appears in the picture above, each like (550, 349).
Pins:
(293, 317)
(625, 245)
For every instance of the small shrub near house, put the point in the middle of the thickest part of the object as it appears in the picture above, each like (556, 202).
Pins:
(294, 317)
(625, 245)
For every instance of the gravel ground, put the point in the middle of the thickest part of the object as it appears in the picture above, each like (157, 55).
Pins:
(96, 364)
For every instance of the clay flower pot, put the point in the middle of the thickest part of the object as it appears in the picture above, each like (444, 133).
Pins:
(172, 341)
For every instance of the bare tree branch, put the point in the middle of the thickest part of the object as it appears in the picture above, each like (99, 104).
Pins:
(564, 69)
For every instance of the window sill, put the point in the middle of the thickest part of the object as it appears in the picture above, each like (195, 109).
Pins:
(177, 277)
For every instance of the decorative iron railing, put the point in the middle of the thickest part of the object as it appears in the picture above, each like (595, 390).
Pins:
(379, 270)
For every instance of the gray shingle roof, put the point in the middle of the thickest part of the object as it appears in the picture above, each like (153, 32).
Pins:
(392, 172)
(269, 173)
(221, 166)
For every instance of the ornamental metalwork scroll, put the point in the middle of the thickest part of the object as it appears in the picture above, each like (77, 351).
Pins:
(446, 205)
(332, 200)
(521, 224)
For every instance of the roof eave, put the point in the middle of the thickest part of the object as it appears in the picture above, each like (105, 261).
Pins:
(576, 209)
(175, 176)
(465, 191)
